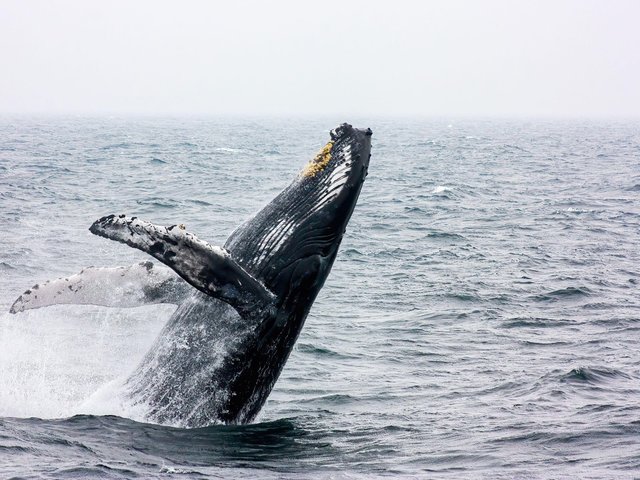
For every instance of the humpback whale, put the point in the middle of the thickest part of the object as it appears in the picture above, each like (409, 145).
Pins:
(240, 307)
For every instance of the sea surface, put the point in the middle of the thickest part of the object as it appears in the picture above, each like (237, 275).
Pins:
(482, 319)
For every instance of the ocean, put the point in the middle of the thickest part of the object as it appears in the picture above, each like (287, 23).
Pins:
(482, 319)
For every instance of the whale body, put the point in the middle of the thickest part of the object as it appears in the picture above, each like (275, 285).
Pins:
(240, 307)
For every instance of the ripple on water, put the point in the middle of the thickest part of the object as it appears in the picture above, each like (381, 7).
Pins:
(567, 293)
(593, 375)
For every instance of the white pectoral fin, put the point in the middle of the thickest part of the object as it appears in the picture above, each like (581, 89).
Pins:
(208, 268)
(125, 287)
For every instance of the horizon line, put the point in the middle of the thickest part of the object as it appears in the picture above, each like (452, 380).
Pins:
(322, 115)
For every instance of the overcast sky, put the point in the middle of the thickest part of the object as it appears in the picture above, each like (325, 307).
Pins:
(574, 58)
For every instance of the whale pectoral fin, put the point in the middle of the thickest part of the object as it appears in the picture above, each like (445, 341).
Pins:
(132, 286)
(208, 268)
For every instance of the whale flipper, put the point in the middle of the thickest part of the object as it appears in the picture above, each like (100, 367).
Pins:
(133, 286)
(208, 268)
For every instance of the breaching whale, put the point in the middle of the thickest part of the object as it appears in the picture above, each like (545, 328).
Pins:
(240, 307)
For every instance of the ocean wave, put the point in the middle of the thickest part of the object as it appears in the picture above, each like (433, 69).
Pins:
(593, 375)
(564, 293)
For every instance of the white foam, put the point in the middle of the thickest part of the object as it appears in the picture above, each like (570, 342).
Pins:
(228, 150)
(53, 360)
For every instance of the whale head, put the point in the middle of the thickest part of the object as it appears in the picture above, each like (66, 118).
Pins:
(303, 226)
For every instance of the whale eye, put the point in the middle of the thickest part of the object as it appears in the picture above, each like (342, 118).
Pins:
(319, 162)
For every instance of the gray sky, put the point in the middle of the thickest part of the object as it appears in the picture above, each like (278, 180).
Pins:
(427, 58)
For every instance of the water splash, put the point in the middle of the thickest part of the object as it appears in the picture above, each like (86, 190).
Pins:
(54, 359)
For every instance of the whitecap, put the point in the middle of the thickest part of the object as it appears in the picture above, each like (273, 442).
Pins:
(441, 189)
